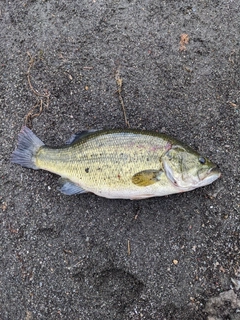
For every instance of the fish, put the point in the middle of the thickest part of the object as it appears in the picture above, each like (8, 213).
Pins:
(118, 163)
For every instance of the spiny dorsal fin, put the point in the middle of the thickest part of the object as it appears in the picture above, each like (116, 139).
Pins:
(146, 177)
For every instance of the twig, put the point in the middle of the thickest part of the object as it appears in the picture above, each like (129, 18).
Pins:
(129, 248)
(119, 82)
(42, 98)
(232, 56)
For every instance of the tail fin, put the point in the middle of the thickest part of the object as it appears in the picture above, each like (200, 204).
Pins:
(28, 145)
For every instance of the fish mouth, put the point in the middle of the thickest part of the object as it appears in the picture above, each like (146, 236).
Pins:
(210, 176)
(214, 172)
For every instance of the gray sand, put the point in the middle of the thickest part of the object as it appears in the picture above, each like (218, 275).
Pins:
(90, 258)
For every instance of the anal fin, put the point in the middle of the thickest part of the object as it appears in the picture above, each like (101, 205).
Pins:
(69, 188)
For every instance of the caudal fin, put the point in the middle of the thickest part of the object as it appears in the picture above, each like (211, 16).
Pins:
(28, 145)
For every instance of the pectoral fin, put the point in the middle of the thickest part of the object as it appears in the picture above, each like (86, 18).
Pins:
(146, 177)
(68, 187)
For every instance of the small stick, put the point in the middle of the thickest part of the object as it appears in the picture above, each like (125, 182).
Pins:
(119, 82)
(40, 105)
(31, 62)
(129, 248)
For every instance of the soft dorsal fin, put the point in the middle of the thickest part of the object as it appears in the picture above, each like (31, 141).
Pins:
(79, 135)
(146, 177)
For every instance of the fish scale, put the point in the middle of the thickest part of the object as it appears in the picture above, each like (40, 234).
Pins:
(126, 150)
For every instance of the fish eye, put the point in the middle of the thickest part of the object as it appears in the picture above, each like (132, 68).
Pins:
(202, 160)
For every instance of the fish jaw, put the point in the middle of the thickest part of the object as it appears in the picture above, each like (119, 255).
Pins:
(212, 175)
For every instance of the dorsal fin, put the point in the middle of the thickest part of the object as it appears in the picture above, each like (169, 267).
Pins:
(79, 135)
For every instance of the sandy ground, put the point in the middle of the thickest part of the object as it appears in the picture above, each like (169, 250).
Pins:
(85, 257)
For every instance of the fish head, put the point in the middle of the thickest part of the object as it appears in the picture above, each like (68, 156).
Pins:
(187, 169)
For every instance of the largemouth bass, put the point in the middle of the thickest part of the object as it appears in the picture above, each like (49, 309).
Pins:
(126, 164)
